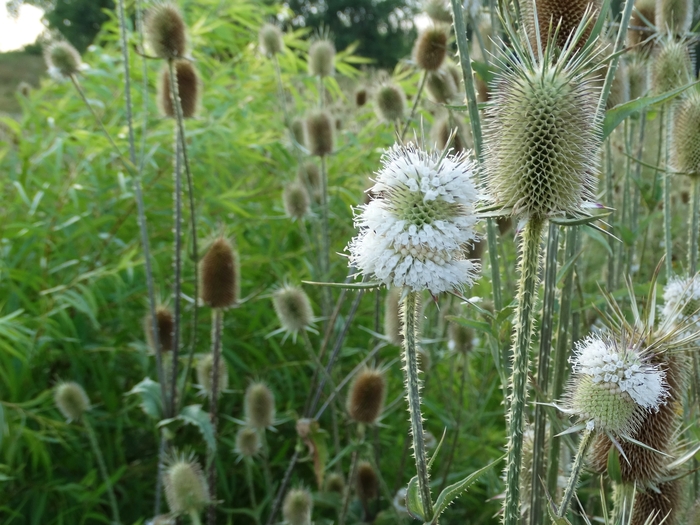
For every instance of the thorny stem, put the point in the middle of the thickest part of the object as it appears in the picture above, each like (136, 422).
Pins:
(693, 225)
(575, 473)
(102, 467)
(415, 105)
(325, 236)
(610, 201)
(668, 240)
(283, 488)
(527, 294)
(217, 325)
(410, 324)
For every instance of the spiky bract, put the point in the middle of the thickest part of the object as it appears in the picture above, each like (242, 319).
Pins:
(71, 400)
(247, 442)
(205, 369)
(674, 16)
(430, 48)
(165, 323)
(321, 58)
(270, 39)
(220, 275)
(296, 200)
(297, 507)
(366, 482)
(187, 86)
(185, 486)
(293, 308)
(165, 31)
(62, 60)
(366, 398)
(671, 66)
(390, 103)
(567, 15)
(686, 136)
(440, 85)
(259, 405)
(319, 133)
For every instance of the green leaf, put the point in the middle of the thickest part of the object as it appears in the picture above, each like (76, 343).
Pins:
(414, 504)
(151, 399)
(2, 424)
(194, 415)
(614, 468)
(577, 221)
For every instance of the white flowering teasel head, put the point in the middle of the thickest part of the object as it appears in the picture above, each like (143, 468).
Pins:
(682, 305)
(614, 385)
(415, 233)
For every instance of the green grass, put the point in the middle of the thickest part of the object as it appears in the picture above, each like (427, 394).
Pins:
(16, 67)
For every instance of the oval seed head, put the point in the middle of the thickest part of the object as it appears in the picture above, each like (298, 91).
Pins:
(441, 131)
(460, 338)
(637, 76)
(674, 16)
(220, 275)
(367, 393)
(685, 148)
(671, 66)
(366, 482)
(310, 175)
(62, 60)
(247, 442)
(293, 308)
(205, 368)
(164, 320)
(259, 406)
(187, 86)
(296, 200)
(431, 48)
(440, 85)
(439, 11)
(299, 132)
(71, 400)
(185, 486)
(392, 316)
(390, 103)
(319, 133)
(297, 507)
(551, 13)
(321, 58)
(335, 483)
(644, 14)
(360, 97)
(270, 38)
(665, 504)
(165, 31)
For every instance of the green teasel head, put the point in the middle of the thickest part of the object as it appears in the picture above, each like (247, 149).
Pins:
(671, 65)
(685, 146)
(674, 16)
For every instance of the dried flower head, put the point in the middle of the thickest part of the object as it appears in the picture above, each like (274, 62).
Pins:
(321, 58)
(319, 133)
(247, 442)
(366, 482)
(441, 86)
(663, 505)
(297, 507)
(431, 48)
(685, 147)
(390, 103)
(187, 87)
(185, 486)
(293, 308)
(335, 483)
(165, 31)
(259, 405)
(643, 15)
(674, 16)
(205, 369)
(62, 60)
(567, 16)
(392, 316)
(416, 232)
(71, 400)
(270, 39)
(459, 338)
(296, 200)
(671, 66)
(220, 275)
(360, 97)
(366, 398)
(164, 321)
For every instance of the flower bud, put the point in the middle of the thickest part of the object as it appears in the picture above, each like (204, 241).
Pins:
(296, 200)
(259, 406)
(164, 321)
(298, 131)
(293, 308)
(71, 400)
(367, 393)
(335, 483)
(270, 38)
(187, 86)
(460, 338)
(247, 442)
(674, 16)
(321, 58)
(165, 31)
(390, 103)
(440, 86)
(671, 67)
(220, 275)
(297, 507)
(185, 486)
(319, 133)
(685, 150)
(366, 482)
(392, 316)
(360, 97)
(62, 59)
(430, 49)
(205, 369)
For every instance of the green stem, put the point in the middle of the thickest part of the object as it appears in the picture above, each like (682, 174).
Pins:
(325, 237)
(610, 202)
(351, 478)
(102, 467)
(527, 294)
(693, 225)
(415, 105)
(216, 328)
(194, 517)
(668, 240)
(576, 468)
(249, 481)
(410, 323)
(266, 461)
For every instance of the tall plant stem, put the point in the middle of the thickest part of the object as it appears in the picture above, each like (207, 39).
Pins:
(351, 477)
(162, 448)
(668, 240)
(249, 481)
(216, 327)
(659, 152)
(194, 518)
(458, 423)
(416, 101)
(570, 489)
(527, 292)
(266, 461)
(547, 328)
(287, 118)
(693, 225)
(102, 467)
(282, 488)
(610, 202)
(410, 326)
(177, 273)
(636, 194)
(325, 237)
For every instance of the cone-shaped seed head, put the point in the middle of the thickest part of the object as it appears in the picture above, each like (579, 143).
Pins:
(568, 13)
(671, 67)
(164, 320)
(686, 136)
(360, 97)
(205, 367)
(62, 59)
(637, 76)
(390, 103)
(440, 134)
(674, 15)
(440, 85)
(439, 11)
(220, 274)
(430, 48)
(297, 507)
(335, 483)
(321, 58)
(459, 338)
(392, 316)
(542, 138)
(270, 38)
(668, 501)
(366, 482)
(188, 90)
(71, 400)
(259, 406)
(247, 442)
(293, 308)
(643, 9)
(296, 200)
(185, 487)
(319, 133)
(165, 31)
(367, 393)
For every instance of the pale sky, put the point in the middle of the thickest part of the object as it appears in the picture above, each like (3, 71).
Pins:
(16, 33)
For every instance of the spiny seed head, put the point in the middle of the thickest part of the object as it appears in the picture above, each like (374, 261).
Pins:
(296, 200)
(270, 38)
(360, 97)
(686, 136)
(321, 58)
(293, 308)
(439, 11)
(309, 174)
(367, 393)
(185, 486)
(664, 504)
(297, 507)
(220, 275)
(390, 103)
(671, 66)
(205, 369)
(164, 322)
(431, 48)
(392, 316)
(71, 400)
(259, 405)
(568, 14)
(460, 338)
(165, 31)
(247, 442)
(674, 16)
(637, 76)
(319, 133)
(366, 482)
(440, 86)
(62, 60)
(441, 131)
(335, 483)
(643, 10)
(187, 86)
(298, 131)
